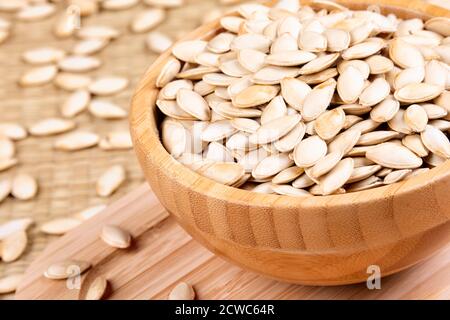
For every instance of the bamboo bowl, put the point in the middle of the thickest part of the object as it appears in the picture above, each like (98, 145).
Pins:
(327, 240)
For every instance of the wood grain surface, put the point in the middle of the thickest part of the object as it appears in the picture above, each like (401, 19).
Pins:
(163, 254)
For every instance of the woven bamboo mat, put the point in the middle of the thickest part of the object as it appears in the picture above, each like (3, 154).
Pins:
(67, 180)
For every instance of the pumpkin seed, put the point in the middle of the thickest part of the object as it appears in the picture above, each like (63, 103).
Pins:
(79, 63)
(363, 172)
(255, 95)
(436, 141)
(13, 226)
(417, 92)
(274, 74)
(405, 55)
(106, 110)
(108, 86)
(350, 93)
(66, 269)
(97, 289)
(416, 118)
(38, 76)
(393, 156)
(12, 130)
(43, 55)
(168, 72)
(98, 32)
(385, 110)
(10, 283)
(158, 42)
(51, 126)
(291, 139)
(317, 100)
(188, 50)
(288, 190)
(329, 123)
(59, 226)
(325, 165)
(396, 176)
(76, 141)
(309, 151)
(72, 81)
(36, 12)
(13, 246)
(116, 237)
(287, 175)
(147, 20)
(376, 92)
(24, 187)
(227, 173)
(110, 180)
(275, 129)
(89, 46)
(118, 4)
(89, 212)
(271, 166)
(182, 291)
(337, 177)
(414, 143)
(320, 63)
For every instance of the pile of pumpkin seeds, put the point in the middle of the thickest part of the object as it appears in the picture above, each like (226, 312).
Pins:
(309, 100)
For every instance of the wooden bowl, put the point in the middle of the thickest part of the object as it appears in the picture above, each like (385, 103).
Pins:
(327, 240)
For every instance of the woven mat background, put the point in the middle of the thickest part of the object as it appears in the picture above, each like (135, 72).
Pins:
(67, 180)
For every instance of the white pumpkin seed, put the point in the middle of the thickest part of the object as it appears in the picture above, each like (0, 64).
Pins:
(106, 86)
(147, 20)
(97, 289)
(416, 118)
(436, 141)
(13, 246)
(76, 103)
(43, 55)
(59, 226)
(393, 156)
(51, 126)
(115, 236)
(9, 284)
(158, 42)
(66, 269)
(110, 180)
(24, 187)
(106, 110)
(396, 176)
(76, 141)
(38, 76)
(182, 291)
(309, 151)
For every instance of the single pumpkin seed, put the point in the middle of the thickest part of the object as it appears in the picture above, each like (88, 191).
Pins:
(10, 283)
(38, 76)
(309, 151)
(110, 180)
(51, 126)
(115, 236)
(414, 143)
(416, 118)
(103, 109)
(393, 156)
(76, 141)
(396, 176)
(106, 86)
(13, 246)
(182, 291)
(97, 288)
(147, 20)
(59, 226)
(436, 141)
(24, 187)
(66, 269)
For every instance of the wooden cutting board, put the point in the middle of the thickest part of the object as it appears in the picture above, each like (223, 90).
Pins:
(163, 254)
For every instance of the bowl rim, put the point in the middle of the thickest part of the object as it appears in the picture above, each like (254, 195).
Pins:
(146, 138)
